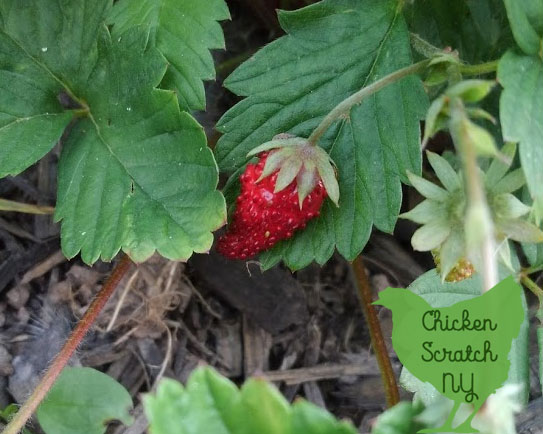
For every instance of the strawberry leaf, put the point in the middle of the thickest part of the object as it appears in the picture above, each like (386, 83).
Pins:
(212, 403)
(477, 29)
(83, 401)
(183, 31)
(135, 172)
(526, 19)
(331, 50)
(520, 113)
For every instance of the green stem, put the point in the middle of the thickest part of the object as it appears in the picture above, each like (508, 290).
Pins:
(376, 335)
(536, 290)
(532, 269)
(479, 223)
(62, 358)
(482, 68)
(343, 108)
(9, 205)
(423, 47)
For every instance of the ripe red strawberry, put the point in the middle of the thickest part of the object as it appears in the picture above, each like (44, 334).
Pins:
(279, 195)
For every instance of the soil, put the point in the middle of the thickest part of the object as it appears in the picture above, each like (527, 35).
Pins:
(304, 331)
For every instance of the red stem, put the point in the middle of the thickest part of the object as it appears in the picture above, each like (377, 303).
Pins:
(377, 341)
(62, 358)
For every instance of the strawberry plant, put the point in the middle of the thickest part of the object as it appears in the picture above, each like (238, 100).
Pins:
(320, 150)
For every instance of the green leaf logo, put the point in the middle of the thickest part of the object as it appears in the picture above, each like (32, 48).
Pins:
(462, 350)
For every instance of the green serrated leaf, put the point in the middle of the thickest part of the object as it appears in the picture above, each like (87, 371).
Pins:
(400, 419)
(183, 31)
(211, 403)
(331, 50)
(521, 115)
(31, 116)
(526, 19)
(478, 29)
(135, 172)
(308, 418)
(83, 401)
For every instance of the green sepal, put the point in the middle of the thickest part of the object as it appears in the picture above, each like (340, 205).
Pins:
(430, 236)
(444, 171)
(479, 113)
(452, 250)
(471, 90)
(521, 231)
(499, 167)
(328, 175)
(479, 138)
(288, 172)
(278, 143)
(509, 183)
(427, 189)
(306, 180)
(274, 162)
(425, 212)
(433, 124)
(507, 206)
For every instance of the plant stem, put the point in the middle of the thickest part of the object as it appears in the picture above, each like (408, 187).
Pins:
(29, 407)
(536, 290)
(9, 205)
(532, 269)
(423, 47)
(343, 108)
(378, 343)
(482, 68)
(479, 223)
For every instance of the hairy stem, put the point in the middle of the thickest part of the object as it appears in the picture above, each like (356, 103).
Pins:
(378, 343)
(29, 407)
(482, 68)
(479, 223)
(344, 107)
(424, 48)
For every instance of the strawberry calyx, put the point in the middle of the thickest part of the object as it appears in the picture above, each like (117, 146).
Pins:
(295, 159)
